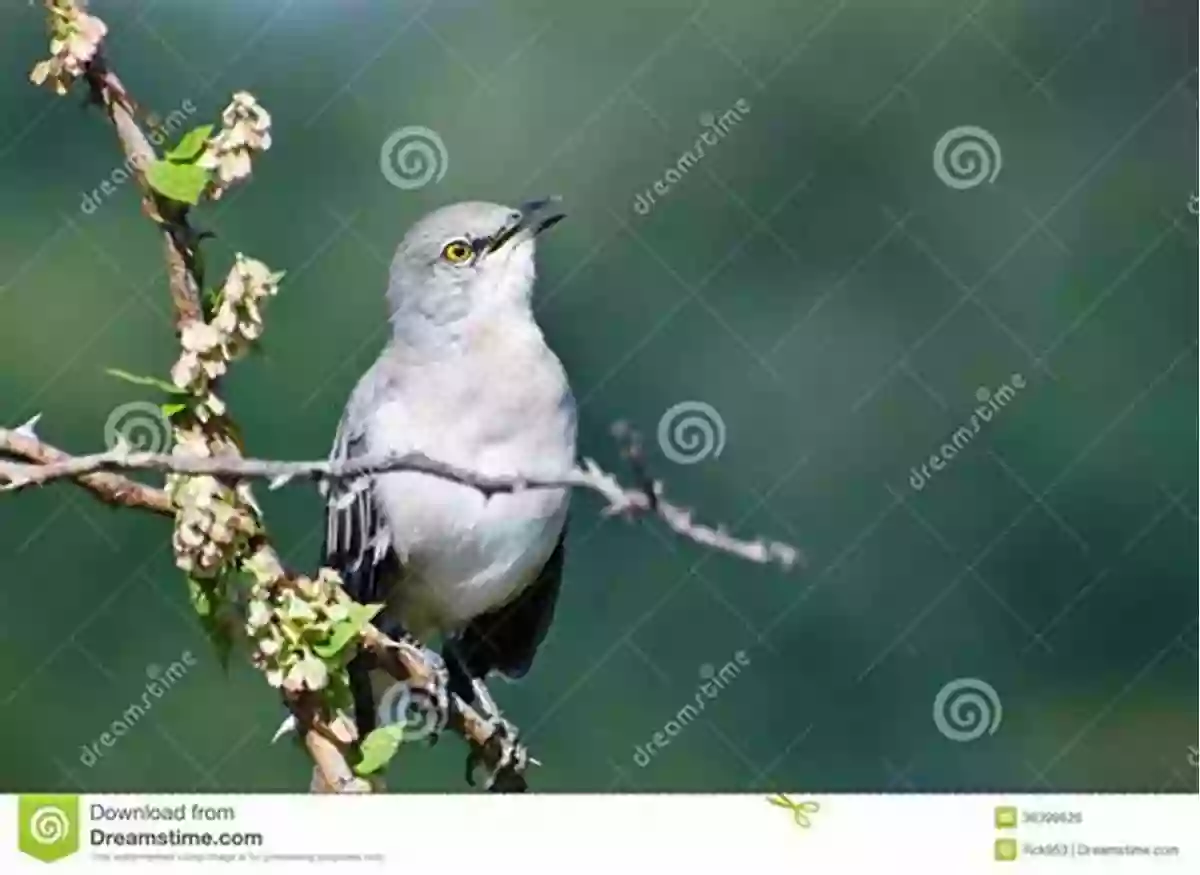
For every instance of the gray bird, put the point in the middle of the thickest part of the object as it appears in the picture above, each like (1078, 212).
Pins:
(467, 378)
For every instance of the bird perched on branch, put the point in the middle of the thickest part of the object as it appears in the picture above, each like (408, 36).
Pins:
(467, 378)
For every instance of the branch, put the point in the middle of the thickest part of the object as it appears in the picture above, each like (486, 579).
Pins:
(112, 489)
(182, 278)
(646, 500)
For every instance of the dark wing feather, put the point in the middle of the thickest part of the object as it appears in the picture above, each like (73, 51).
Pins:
(358, 546)
(357, 540)
(507, 639)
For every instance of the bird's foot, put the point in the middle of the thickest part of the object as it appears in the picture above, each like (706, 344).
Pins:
(501, 759)
(423, 706)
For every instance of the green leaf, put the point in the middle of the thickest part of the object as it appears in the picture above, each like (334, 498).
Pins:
(137, 380)
(347, 630)
(378, 748)
(201, 597)
(189, 148)
(214, 623)
(169, 410)
(179, 182)
(210, 300)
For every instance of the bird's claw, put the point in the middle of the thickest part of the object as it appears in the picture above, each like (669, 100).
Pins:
(428, 708)
(507, 756)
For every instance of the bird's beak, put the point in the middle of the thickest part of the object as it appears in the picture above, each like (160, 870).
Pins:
(533, 217)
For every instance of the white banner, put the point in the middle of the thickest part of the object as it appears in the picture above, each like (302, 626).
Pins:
(495, 835)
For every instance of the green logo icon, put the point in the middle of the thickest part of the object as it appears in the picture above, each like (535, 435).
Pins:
(48, 826)
(1006, 850)
(1006, 817)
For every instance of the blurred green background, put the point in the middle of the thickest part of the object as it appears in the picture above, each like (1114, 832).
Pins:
(812, 280)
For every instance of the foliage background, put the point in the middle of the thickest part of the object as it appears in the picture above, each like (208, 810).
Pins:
(1055, 558)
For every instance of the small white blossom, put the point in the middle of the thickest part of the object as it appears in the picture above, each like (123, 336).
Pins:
(199, 337)
(186, 372)
(297, 609)
(75, 39)
(251, 124)
(258, 616)
(246, 130)
(309, 673)
(264, 566)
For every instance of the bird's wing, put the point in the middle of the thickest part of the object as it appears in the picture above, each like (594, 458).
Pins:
(357, 540)
(358, 546)
(506, 639)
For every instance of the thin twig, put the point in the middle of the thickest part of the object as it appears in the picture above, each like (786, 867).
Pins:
(647, 500)
(112, 489)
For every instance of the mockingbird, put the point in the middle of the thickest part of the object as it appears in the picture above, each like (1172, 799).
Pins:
(467, 378)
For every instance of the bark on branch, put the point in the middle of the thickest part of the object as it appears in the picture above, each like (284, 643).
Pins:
(647, 499)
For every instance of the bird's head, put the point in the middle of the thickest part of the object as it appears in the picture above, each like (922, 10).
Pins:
(468, 259)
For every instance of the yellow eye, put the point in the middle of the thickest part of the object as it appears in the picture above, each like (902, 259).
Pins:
(457, 251)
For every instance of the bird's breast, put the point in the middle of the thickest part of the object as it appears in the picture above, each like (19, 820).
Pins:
(463, 553)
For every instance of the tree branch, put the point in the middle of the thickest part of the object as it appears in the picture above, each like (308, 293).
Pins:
(182, 278)
(646, 500)
(112, 489)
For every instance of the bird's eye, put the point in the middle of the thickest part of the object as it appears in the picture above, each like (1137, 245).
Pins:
(457, 251)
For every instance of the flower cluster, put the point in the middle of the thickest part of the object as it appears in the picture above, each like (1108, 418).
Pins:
(213, 522)
(75, 38)
(208, 347)
(246, 129)
(239, 315)
(285, 622)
